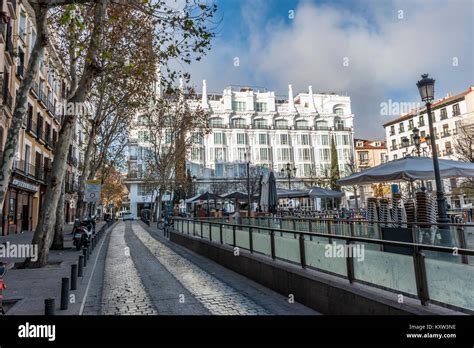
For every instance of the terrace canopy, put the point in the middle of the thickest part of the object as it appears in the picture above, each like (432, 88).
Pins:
(409, 169)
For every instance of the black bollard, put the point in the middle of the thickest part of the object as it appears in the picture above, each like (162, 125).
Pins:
(80, 270)
(49, 307)
(84, 252)
(88, 253)
(64, 293)
(73, 277)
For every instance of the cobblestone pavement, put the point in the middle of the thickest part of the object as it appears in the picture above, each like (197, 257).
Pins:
(216, 296)
(123, 292)
(145, 273)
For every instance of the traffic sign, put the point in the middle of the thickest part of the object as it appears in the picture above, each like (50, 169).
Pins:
(92, 191)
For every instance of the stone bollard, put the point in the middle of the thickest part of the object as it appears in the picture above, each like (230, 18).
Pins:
(84, 253)
(80, 270)
(49, 306)
(73, 277)
(64, 293)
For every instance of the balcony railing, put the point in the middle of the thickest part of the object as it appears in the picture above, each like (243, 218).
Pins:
(446, 134)
(39, 173)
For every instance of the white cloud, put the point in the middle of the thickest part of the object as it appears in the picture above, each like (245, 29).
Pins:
(386, 54)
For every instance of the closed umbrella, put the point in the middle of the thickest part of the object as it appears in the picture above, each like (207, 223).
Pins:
(264, 193)
(272, 194)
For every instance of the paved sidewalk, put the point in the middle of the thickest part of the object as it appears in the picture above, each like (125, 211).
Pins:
(30, 287)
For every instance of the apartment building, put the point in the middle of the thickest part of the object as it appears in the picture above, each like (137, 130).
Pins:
(254, 124)
(368, 154)
(448, 114)
(39, 133)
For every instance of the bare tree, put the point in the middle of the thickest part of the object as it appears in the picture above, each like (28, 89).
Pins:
(172, 128)
(464, 151)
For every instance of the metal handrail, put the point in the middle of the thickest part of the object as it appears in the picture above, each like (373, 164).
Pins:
(347, 238)
(348, 221)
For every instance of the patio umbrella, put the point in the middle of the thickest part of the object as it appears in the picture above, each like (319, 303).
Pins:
(272, 194)
(320, 192)
(236, 196)
(409, 169)
(264, 193)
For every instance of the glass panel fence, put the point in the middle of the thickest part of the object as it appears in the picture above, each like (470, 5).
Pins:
(450, 283)
(392, 271)
(215, 232)
(261, 242)
(287, 248)
(319, 254)
(227, 235)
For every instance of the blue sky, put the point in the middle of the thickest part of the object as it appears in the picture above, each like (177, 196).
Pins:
(388, 44)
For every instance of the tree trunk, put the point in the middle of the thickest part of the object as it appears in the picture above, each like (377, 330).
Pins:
(20, 109)
(85, 173)
(58, 240)
(44, 231)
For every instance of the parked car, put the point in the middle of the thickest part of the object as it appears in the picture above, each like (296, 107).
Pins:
(128, 216)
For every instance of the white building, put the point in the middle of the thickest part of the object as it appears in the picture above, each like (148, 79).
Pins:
(275, 131)
(448, 113)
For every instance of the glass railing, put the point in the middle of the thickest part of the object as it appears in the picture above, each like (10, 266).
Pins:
(355, 251)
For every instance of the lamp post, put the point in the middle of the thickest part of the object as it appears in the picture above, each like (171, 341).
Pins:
(249, 197)
(194, 185)
(426, 89)
(289, 171)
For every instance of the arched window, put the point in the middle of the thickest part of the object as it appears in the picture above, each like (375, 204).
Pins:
(281, 124)
(238, 123)
(216, 123)
(338, 110)
(302, 124)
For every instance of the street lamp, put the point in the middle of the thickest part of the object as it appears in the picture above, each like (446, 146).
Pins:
(194, 185)
(426, 89)
(289, 172)
(249, 198)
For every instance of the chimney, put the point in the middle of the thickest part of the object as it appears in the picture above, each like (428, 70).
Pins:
(311, 106)
(291, 101)
(204, 102)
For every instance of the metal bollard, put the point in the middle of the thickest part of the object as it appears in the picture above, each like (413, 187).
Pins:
(49, 307)
(73, 277)
(80, 270)
(64, 293)
(88, 253)
(84, 252)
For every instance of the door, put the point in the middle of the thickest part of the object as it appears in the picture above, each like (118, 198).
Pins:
(25, 218)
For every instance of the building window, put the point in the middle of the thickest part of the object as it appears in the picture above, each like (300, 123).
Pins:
(143, 137)
(324, 154)
(364, 157)
(283, 154)
(394, 145)
(284, 139)
(456, 110)
(392, 130)
(260, 124)
(281, 124)
(238, 123)
(443, 114)
(339, 111)
(241, 139)
(302, 125)
(304, 139)
(421, 121)
(216, 122)
(241, 154)
(410, 124)
(22, 26)
(395, 157)
(238, 106)
(219, 154)
(325, 139)
(263, 139)
(401, 127)
(264, 154)
(261, 107)
(219, 138)
(304, 154)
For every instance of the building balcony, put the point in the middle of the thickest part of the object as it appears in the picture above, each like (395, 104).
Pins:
(38, 173)
(31, 127)
(393, 148)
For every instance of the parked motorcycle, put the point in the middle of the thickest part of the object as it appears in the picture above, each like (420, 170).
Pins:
(83, 233)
